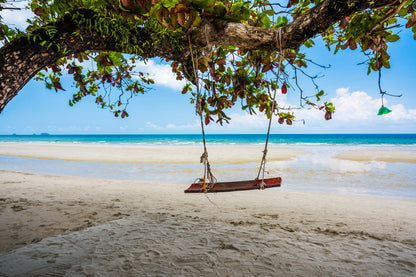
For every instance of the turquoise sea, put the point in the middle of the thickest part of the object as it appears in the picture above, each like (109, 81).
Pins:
(345, 139)
(317, 171)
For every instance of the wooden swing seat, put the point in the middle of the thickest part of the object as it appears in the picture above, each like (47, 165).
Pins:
(237, 185)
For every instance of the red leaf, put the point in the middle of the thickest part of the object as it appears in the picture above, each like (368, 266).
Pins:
(125, 3)
(181, 19)
(284, 89)
(328, 115)
(142, 5)
(38, 11)
(291, 3)
(343, 23)
(207, 120)
(179, 8)
(57, 85)
(124, 114)
(266, 68)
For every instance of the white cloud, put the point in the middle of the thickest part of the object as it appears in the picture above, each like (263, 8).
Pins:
(355, 106)
(188, 126)
(399, 113)
(161, 73)
(171, 126)
(354, 111)
(359, 106)
(17, 18)
(246, 120)
(150, 125)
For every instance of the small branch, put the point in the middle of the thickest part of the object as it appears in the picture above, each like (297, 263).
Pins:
(9, 8)
(387, 17)
(384, 92)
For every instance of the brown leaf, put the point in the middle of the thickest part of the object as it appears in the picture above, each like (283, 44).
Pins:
(181, 19)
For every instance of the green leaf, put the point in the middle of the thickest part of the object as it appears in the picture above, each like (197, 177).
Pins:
(268, 12)
(203, 3)
(403, 12)
(392, 38)
(266, 22)
(309, 43)
(319, 94)
(117, 58)
(220, 9)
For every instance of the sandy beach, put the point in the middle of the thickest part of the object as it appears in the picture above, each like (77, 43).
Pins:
(235, 154)
(54, 225)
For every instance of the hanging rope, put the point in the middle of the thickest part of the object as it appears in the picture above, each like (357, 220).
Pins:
(262, 168)
(208, 175)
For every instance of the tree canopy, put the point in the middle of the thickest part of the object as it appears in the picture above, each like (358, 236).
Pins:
(236, 52)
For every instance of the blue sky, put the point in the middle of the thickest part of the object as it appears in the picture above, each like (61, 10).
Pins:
(164, 110)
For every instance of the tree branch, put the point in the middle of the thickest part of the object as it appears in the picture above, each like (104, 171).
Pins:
(22, 58)
(307, 25)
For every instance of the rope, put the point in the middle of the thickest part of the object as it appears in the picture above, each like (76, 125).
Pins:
(208, 175)
(262, 168)
(263, 162)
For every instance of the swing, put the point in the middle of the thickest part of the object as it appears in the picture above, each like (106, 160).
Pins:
(209, 183)
(201, 184)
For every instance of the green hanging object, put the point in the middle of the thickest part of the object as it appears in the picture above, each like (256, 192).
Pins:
(383, 110)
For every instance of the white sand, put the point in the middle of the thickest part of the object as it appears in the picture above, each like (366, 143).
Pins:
(146, 154)
(81, 226)
(378, 155)
(183, 154)
(54, 225)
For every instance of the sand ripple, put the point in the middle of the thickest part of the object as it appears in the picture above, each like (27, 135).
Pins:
(154, 229)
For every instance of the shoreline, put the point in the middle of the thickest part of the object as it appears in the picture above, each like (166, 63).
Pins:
(140, 154)
(383, 171)
(91, 225)
(79, 221)
(173, 154)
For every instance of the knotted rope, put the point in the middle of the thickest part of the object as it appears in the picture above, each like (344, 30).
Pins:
(263, 162)
(208, 175)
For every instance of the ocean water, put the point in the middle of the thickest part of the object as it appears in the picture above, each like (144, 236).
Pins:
(317, 171)
(345, 139)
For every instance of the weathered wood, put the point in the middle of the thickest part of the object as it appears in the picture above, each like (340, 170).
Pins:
(236, 185)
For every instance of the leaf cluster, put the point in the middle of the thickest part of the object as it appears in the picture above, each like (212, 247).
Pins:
(227, 75)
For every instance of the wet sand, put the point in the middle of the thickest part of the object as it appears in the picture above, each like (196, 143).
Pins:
(378, 155)
(162, 154)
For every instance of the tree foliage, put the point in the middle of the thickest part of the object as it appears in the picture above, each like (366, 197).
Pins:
(238, 52)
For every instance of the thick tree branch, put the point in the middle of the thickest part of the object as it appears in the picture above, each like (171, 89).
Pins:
(22, 58)
(306, 26)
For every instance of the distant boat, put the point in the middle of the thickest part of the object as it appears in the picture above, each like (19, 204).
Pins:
(234, 186)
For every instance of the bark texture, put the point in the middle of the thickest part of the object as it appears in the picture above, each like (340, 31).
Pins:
(22, 58)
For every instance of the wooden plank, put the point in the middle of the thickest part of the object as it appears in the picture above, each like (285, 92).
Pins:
(237, 185)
